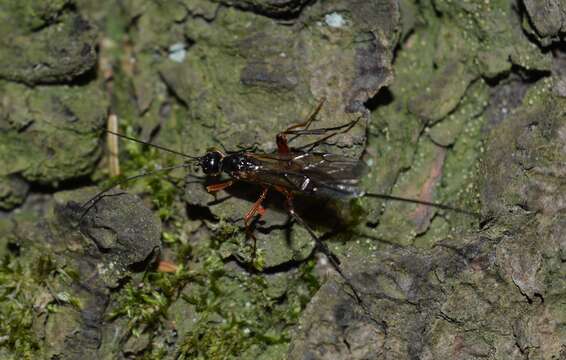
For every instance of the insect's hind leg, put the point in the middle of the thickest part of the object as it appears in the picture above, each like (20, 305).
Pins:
(336, 131)
(303, 129)
(320, 245)
(305, 124)
(281, 138)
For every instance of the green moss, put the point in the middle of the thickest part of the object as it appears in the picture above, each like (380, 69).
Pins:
(237, 315)
(30, 15)
(231, 312)
(491, 36)
(235, 312)
(26, 294)
(56, 46)
(13, 191)
(60, 142)
(16, 309)
(437, 102)
(142, 304)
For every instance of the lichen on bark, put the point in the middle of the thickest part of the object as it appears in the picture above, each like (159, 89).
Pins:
(459, 103)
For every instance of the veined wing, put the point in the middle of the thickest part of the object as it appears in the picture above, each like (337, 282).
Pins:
(312, 173)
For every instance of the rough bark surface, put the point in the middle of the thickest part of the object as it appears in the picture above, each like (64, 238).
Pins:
(461, 103)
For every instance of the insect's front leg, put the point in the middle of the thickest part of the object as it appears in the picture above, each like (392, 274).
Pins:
(220, 186)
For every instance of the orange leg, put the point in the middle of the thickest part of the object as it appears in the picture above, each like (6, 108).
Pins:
(219, 186)
(281, 138)
(256, 208)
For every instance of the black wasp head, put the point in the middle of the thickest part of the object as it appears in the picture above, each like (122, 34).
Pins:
(211, 163)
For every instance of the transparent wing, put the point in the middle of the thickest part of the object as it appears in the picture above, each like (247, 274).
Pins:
(314, 173)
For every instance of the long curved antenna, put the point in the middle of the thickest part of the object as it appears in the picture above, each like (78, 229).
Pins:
(421, 202)
(152, 145)
(89, 204)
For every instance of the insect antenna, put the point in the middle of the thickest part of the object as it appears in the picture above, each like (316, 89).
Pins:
(153, 145)
(421, 202)
(90, 203)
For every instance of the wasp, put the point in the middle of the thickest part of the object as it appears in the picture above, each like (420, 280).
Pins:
(290, 171)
